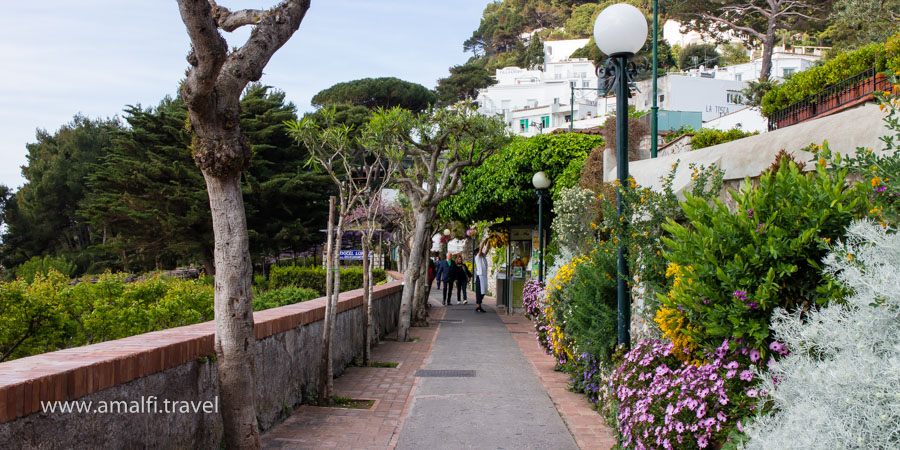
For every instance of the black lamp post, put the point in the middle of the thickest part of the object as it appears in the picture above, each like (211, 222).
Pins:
(541, 183)
(620, 31)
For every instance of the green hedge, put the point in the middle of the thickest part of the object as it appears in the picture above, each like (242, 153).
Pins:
(287, 295)
(708, 137)
(314, 278)
(882, 56)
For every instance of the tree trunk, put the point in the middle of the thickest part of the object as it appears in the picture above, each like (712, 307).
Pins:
(420, 313)
(367, 302)
(325, 370)
(411, 276)
(768, 48)
(235, 341)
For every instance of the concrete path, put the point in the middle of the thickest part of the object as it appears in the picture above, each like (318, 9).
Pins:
(514, 401)
(504, 406)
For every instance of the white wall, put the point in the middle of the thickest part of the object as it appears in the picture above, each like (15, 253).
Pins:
(691, 93)
(747, 119)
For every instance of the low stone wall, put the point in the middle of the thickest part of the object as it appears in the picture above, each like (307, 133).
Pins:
(145, 371)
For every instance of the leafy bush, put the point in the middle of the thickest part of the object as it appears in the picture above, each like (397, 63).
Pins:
(708, 137)
(884, 56)
(573, 227)
(667, 403)
(42, 266)
(839, 386)
(314, 278)
(49, 314)
(287, 295)
(731, 270)
(881, 170)
(503, 182)
(591, 317)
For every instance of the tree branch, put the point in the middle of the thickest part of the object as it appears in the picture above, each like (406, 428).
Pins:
(230, 21)
(731, 24)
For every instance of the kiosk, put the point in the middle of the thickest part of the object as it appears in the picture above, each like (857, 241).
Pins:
(521, 265)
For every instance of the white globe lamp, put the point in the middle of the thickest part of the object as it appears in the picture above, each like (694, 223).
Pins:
(620, 29)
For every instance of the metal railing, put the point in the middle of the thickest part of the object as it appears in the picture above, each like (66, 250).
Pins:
(828, 99)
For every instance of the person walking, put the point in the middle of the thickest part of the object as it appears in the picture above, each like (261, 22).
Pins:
(481, 273)
(432, 273)
(448, 272)
(462, 278)
(438, 270)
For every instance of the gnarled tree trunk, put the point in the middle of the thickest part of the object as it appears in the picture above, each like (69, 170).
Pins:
(412, 274)
(420, 312)
(212, 91)
(235, 340)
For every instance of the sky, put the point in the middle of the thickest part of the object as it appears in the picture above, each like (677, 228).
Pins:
(59, 58)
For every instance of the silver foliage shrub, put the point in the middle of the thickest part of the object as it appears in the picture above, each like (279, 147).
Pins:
(840, 385)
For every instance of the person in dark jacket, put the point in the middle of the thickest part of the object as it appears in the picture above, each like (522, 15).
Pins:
(462, 278)
(432, 272)
(448, 273)
(438, 270)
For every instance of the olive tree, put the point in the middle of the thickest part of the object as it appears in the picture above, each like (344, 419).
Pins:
(212, 91)
(431, 150)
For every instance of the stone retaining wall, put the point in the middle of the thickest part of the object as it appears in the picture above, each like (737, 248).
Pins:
(176, 365)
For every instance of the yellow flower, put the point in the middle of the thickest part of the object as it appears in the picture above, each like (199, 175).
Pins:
(876, 181)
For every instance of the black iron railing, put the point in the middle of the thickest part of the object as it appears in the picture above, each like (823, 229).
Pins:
(831, 97)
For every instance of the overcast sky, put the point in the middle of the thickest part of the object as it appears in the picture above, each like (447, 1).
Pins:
(62, 57)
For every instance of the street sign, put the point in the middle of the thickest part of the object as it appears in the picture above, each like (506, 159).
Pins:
(351, 255)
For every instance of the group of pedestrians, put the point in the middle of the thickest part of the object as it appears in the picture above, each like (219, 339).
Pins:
(453, 270)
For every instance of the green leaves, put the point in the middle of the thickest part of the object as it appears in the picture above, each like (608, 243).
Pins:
(737, 267)
(501, 187)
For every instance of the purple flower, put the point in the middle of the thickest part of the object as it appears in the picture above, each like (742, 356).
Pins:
(747, 375)
(702, 442)
(731, 373)
(751, 305)
(732, 365)
(750, 213)
(760, 227)
(881, 189)
(740, 295)
(754, 355)
(751, 393)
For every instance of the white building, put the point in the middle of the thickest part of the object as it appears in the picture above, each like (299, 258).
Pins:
(783, 66)
(539, 101)
(691, 92)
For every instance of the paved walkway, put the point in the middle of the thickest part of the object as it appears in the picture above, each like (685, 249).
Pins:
(515, 399)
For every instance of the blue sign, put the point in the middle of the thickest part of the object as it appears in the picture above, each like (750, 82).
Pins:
(351, 255)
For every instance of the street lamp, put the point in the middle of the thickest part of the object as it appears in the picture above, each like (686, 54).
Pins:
(541, 183)
(620, 31)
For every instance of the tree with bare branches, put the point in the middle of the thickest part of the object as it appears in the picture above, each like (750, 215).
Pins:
(755, 21)
(212, 90)
(334, 150)
(431, 150)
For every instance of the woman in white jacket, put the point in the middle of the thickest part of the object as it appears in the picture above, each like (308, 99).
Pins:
(481, 274)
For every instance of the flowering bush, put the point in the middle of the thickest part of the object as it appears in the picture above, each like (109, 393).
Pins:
(642, 237)
(731, 270)
(840, 385)
(535, 302)
(573, 227)
(667, 403)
